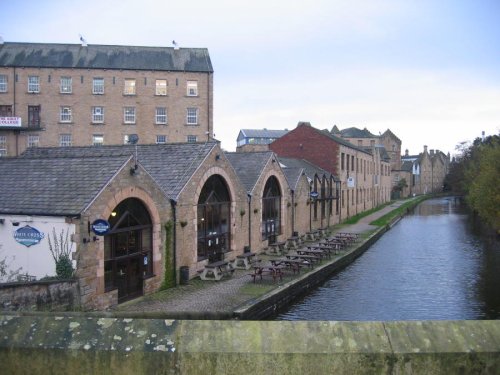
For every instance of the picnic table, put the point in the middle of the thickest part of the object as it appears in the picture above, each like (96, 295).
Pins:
(278, 247)
(274, 271)
(312, 236)
(316, 251)
(245, 261)
(216, 270)
(293, 242)
(304, 258)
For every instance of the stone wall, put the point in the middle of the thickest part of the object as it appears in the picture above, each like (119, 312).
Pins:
(40, 295)
(91, 345)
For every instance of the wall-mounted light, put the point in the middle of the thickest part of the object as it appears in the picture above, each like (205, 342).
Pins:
(15, 223)
(113, 213)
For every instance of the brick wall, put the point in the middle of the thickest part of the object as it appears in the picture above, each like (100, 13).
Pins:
(306, 142)
(81, 101)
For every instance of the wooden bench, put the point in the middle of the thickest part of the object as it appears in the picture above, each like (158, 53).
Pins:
(293, 242)
(216, 270)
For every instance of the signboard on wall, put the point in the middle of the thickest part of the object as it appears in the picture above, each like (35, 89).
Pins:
(28, 236)
(351, 182)
(100, 227)
(10, 121)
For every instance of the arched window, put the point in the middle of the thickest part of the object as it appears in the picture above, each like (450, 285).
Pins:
(214, 219)
(271, 210)
(128, 249)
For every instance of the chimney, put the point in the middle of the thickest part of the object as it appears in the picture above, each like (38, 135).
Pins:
(425, 149)
(407, 153)
(432, 152)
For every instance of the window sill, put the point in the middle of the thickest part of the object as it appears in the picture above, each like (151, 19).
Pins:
(162, 95)
(192, 124)
(160, 124)
(97, 123)
(129, 123)
(192, 96)
(129, 94)
(65, 122)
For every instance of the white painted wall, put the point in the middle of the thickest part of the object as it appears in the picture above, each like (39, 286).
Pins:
(35, 260)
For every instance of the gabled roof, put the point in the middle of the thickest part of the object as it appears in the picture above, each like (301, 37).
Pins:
(310, 169)
(171, 165)
(261, 133)
(389, 133)
(354, 132)
(95, 56)
(407, 166)
(293, 176)
(249, 166)
(56, 186)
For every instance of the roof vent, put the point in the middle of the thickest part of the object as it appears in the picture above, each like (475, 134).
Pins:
(176, 45)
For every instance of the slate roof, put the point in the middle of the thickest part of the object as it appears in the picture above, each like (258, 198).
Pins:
(407, 166)
(38, 186)
(171, 165)
(249, 166)
(310, 169)
(96, 56)
(262, 133)
(354, 132)
(293, 176)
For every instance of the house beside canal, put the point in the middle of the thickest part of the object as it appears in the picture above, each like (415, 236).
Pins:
(133, 216)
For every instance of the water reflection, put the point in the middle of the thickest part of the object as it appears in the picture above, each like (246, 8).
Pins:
(429, 266)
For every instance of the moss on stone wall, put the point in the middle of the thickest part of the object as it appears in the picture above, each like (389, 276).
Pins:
(169, 273)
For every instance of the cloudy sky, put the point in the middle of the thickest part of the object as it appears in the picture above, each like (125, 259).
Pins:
(428, 70)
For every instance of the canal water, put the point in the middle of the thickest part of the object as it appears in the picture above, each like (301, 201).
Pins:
(429, 266)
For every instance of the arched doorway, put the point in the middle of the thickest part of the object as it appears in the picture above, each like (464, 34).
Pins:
(128, 249)
(214, 219)
(271, 210)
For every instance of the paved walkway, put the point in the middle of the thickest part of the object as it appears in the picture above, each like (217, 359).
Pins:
(226, 295)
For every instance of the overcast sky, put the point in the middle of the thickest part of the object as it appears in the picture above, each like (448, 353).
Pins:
(428, 70)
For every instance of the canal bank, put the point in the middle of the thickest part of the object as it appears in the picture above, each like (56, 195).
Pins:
(239, 298)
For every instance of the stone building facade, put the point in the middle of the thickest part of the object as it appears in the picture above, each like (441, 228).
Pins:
(76, 95)
(165, 208)
(364, 172)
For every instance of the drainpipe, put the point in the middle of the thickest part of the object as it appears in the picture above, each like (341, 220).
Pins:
(14, 112)
(310, 208)
(249, 199)
(293, 211)
(173, 203)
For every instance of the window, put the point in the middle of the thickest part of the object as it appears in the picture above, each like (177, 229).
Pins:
(65, 140)
(3, 145)
(33, 84)
(161, 87)
(5, 110)
(65, 114)
(192, 88)
(192, 116)
(214, 219)
(352, 162)
(161, 115)
(3, 83)
(129, 115)
(98, 115)
(66, 85)
(33, 140)
(98, 86)
(342, 157)
(97, 140)
(271, 210)
(129, 87)
(33, 116)
(161, 139)
(192, 139)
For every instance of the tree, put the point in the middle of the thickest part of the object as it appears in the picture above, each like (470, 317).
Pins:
(483, 179)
